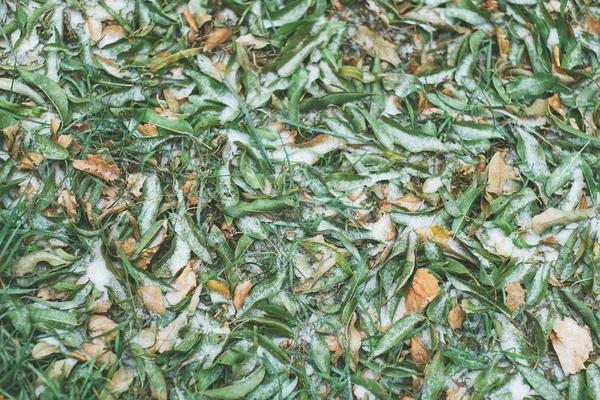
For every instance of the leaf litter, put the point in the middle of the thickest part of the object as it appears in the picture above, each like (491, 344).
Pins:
(302, 199)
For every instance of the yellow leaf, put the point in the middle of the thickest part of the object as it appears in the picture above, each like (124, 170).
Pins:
(218, 287)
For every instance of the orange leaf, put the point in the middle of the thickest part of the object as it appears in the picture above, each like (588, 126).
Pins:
(423, 289)
(240, 293)
(95, 165)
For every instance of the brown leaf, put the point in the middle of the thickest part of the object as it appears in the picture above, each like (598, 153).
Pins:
(119, 383)
(321, 268)
(43, 349)
(97, 349)
(95, 29)
(218, 287)
(498, 174)
(418, 351)
(515, 296)
(111, 34)
(557, 105)
(166, 337)
(11, 133)
(64, 140)
(423, 289)
(240, 293)
(68, 201)
(591, 25)
(186, 281)
(152, 298)
(553, 216)
(54, 127)
(354, 341)
(148, 130)
(456, 316)
(375, 44)
(410, 202)
(95, 165)
(572, 344)
(30, 160)
(98, 325)
(456, 393)
(503, 43)
(217, 37)
(190, 20)
(135, 184)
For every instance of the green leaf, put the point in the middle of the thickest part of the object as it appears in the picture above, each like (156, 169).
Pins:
(51, 89)
(563, 173)
(175, 125)
(239, 389)
(527, 87)
(397, 333)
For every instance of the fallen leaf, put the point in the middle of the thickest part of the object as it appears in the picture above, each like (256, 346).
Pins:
(456, 393)
(418, 351)
(591, 25)
(503, 43)
(456, 316)
(423, 289)
(152, 298)
(135, 184)
(240, 293)
(190, 20)
(54, 127)
(445, 241)
(354, 341)
(515, 296)
(110, 35)
(186, 281)
(321, 268)
(218, 287)
(43, 349)
(250, 40)
(217, 37)
(64, 140)
(30, 161)
(552, 216)
(166, 337)
(572, 344)
(95, 165)
(499, 173)
(98, 325)
(374, 44)
(148, 130)
(410, 202)
(95, 29)
(119, 383)
(68, 201)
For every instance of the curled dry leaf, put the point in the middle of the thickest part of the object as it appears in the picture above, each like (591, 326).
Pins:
(572, 344)
(376, 45)
(218, 287)
(499, 173)
(98, 325)
(456, 317)
(68, 201)
(152, 298)
(186, 281)
(54, 127)
(423, 289)
(217, 37)
(30, 161)
(240, 293)
(515, 296)
(95, 165)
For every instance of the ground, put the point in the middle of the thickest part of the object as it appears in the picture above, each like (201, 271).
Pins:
(299, 199)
